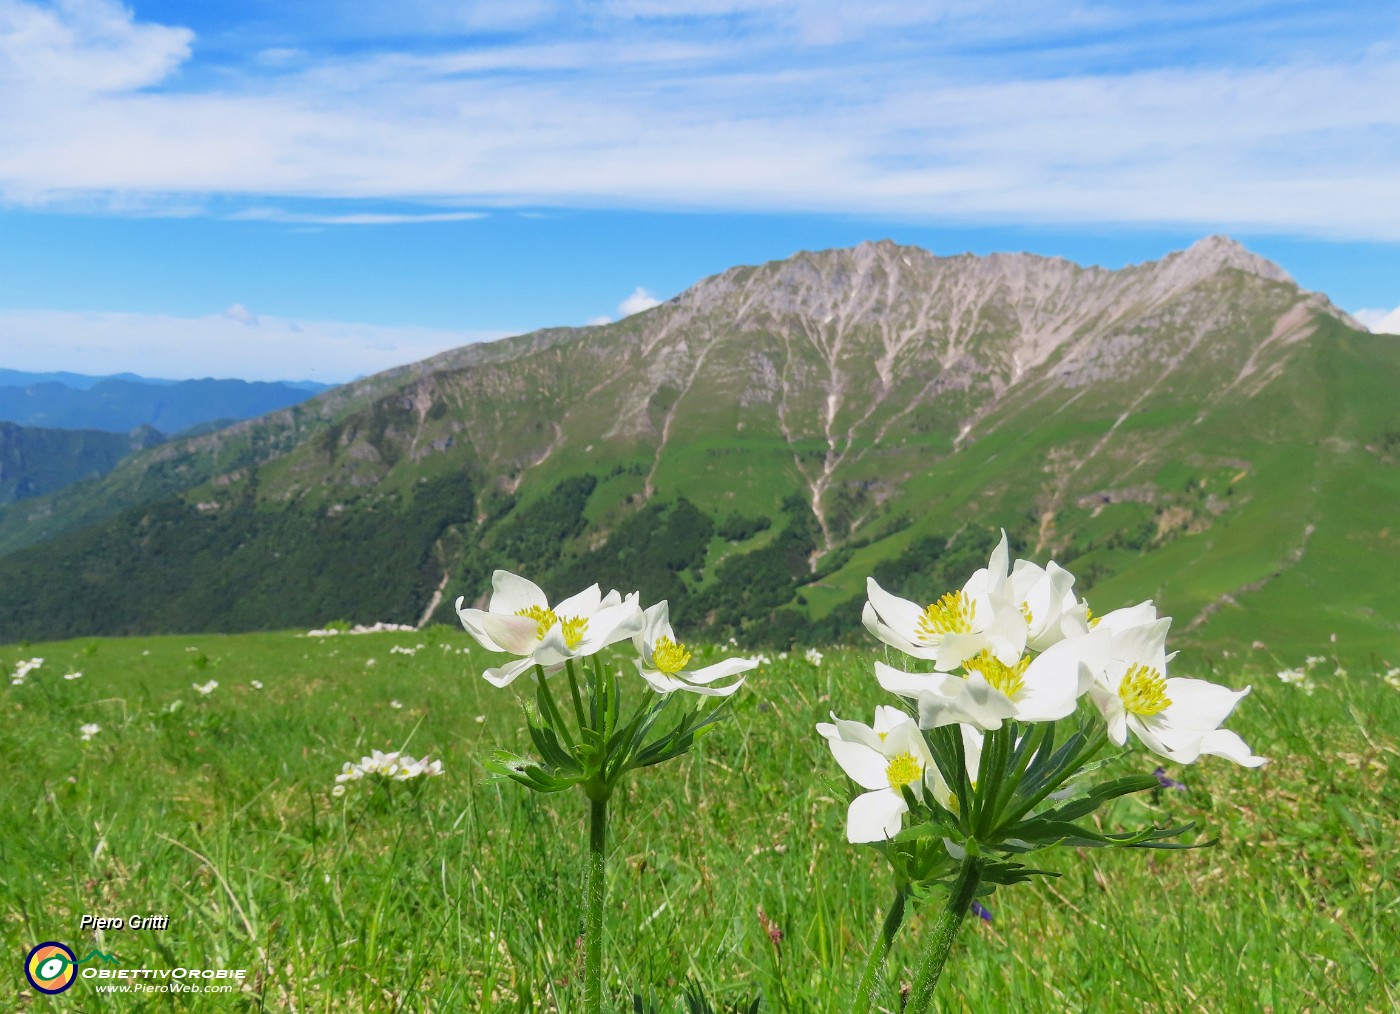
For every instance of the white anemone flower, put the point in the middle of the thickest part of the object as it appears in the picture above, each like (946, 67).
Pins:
(664, 662)
(1045, 688)
(1045, 596)
(519, 620)
(205, 689)
(1175, 718)
(883, 759)
(981, 616)
(89, 730)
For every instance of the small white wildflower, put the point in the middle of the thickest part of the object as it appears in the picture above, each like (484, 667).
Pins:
(1340, 672)
(256, 684)
(369, 662)
(396, 705)
(1316, 659)
(1292, 676)
(205, 689)
(397, 650)
(146, 652)
(814, 656)
(782, 656)
(72, 675)
(480, 719)
(89, 730)
(339, 790)
(1392, 677)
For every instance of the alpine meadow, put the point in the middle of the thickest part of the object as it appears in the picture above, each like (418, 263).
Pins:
(319, 685)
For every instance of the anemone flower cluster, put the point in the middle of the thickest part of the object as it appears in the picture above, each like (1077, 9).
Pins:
(594, 740)
(394, 766)
(967, 775)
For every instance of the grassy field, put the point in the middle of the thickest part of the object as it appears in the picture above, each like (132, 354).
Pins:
(462, 893)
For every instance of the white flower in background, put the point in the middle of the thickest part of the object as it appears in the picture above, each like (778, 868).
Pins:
(1174, 717)
(72, 675)
(1292, 676)
(883, 759)
(480, 719)
(980, 617)
(664, 662)
(397, 705)
(256, 684)
(814, 656)
(394, 766)
(1392, 678)
(396, 650)
(205, 689)
(23, 669)
(89, 730)
(520, 621)
(1315, 660)
(1045, 688)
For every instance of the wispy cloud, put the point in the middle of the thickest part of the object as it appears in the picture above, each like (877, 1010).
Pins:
(1282, 119)
(353, 218)
(234, 343)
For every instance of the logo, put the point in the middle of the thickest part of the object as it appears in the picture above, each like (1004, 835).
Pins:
(51, 967)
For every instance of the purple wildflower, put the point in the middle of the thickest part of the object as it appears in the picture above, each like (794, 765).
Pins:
(981, 912)
(1167, 782)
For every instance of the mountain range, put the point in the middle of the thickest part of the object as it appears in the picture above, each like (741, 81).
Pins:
(121, 403)
(1198, 430)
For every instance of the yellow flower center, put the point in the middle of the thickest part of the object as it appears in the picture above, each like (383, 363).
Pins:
(1026, 612)
(670, 656)
(952, 614)
(905, 769)
(542, 615)
(1144, 691)
(573, 629)
(1009, 679)
(1089, 615)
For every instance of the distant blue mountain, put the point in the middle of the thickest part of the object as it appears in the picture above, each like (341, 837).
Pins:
(122, 403)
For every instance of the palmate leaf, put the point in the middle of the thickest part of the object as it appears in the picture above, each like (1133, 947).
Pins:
(1097, 795)
(1046, 833)
(529, 773)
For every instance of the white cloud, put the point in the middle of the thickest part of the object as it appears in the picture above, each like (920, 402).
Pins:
(640, 300)
(1380, 321)
(598, 320)
(642, 113)
(218, 345)
(242, 314)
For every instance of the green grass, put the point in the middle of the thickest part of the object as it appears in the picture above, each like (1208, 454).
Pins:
(465, 894)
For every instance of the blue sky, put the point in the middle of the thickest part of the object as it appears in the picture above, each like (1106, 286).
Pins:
(324, 188)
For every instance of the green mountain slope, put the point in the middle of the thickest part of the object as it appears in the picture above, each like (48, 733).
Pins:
(35, 461)
(1196, 429)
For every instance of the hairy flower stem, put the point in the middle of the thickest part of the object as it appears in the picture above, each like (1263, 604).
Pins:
(595, 889)
(868, 992)
(960, 897)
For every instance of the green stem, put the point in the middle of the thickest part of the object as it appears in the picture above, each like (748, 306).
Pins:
(554, 718)
(868, 991)
(595, 889)
(578, 701)
(945, 930)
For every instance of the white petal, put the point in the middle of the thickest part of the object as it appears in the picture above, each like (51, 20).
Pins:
(507, 674)
(911, 685)
(720, 669)
(1224, 743)
(471, 621)
(584, 604)
(1199, 705)
(866, 767)
(515, 634)
(512, 593)
(875, 816)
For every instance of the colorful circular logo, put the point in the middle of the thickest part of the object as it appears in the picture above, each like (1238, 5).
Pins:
(50, 967)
